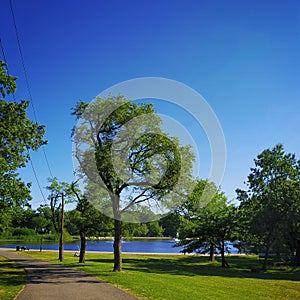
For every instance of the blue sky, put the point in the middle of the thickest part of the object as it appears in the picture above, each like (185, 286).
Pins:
(241, 56)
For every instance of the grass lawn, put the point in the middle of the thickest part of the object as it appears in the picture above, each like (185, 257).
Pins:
(188, 277)
(12, 279)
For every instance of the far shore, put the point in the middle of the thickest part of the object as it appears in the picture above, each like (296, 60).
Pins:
(125, 253)
(91, 238)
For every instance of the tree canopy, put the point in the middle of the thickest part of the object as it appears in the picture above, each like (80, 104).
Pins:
(18, 135)
(207, 225)
(270, 206)
(120, 147)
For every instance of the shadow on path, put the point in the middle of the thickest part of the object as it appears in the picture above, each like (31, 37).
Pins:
(49, 281)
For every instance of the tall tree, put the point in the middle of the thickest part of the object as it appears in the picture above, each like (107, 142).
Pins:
(207, 223)
(271, 200)
(18, 135)
(120, 144)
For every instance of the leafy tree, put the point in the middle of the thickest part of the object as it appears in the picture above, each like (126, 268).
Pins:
(18, 135)
(120, 145)
(207, 226)
(154, 229)
(7, 82)
(130, 230)
(171, 224)
(151, 229)
(60, 194)
(270, 206)
(22, 231)
(292, 227)
(23, 217)
(88, 220)
(44, 214)
(6, 219)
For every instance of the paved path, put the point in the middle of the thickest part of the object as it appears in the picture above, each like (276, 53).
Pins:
(47, 281)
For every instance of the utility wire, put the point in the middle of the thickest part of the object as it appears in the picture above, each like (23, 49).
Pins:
(36, 177)
(27, 81)
(27, 150)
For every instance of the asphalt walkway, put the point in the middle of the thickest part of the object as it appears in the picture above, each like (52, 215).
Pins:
(48, 281)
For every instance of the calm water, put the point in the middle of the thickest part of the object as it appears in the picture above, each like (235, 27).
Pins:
(143, 246)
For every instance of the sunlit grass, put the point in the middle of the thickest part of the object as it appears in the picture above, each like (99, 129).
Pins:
(188, 277)
(12, 279)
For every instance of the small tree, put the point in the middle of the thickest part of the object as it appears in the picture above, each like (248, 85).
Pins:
(206, 226)
(60, 193)
(87, 219)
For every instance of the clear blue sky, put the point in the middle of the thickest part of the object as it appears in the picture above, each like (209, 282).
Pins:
(241, 56)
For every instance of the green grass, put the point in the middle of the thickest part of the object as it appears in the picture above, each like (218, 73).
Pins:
(188, 277)
(12, 279)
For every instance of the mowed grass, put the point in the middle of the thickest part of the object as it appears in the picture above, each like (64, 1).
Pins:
(188, 277)
(12, 279)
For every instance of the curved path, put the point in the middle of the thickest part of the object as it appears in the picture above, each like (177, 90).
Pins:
(48, 281)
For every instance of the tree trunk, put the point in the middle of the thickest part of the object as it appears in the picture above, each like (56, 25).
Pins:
(82, 247)
(118, 246)
(224, 262)
(297, 256)
(211, 253)
(268, 244)
(61, 238)
(265, 261)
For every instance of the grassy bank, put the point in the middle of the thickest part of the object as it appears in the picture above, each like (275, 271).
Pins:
(188, 277)
(12, 279)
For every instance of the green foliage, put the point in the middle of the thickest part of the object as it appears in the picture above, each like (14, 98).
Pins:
(270, 207)
(57, 191)
(205, 228)
(18, 135)
(151, 229)
(154, 229)
(170, 224)
(22, 231)
(121, 148)
(27, 223)
(7, 82)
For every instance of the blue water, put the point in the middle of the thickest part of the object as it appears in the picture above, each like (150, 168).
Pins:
(144, 246)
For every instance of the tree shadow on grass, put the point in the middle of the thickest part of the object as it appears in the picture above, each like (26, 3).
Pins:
(199, 266)
(11, 274)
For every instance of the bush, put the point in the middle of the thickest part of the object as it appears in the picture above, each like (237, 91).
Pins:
(21, 231)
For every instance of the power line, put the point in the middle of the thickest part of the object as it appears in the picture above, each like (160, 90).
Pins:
(27, 150)
(2, 50)
(36, 177)
(22, 59)
(27, 80)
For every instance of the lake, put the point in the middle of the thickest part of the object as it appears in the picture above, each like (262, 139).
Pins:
(142, 246)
